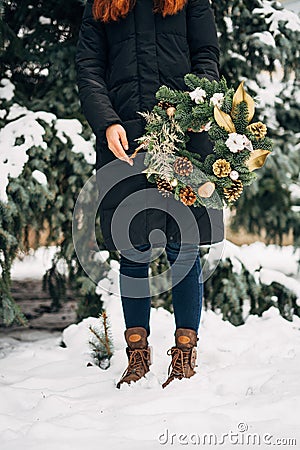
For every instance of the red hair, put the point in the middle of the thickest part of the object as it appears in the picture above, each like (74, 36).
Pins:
(112, 10)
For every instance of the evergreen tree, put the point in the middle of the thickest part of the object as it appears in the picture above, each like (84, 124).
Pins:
(101, 341)
(39, 48)
(236, 294)
(41, 192)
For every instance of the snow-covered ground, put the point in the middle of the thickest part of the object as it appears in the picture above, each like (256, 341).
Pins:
(246, 388)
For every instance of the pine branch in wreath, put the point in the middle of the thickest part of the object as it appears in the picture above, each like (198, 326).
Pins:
(239, 146)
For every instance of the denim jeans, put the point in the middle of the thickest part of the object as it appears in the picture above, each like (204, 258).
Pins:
(187, 285)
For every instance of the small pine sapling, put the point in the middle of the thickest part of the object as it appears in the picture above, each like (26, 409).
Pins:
(101, 342)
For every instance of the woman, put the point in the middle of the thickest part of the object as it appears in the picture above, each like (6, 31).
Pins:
(126, 50)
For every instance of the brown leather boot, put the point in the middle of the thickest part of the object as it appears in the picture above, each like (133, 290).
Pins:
(184, 355)
(139, 355)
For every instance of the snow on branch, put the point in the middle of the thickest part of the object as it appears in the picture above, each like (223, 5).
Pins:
(23, 130)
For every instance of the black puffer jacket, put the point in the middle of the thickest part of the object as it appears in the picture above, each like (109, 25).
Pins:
(120, 65)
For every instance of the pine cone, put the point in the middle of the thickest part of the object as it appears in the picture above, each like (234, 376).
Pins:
(183, 166)
(234, 192)
(164, 104)
(221, 168)
(164, 187)
(187, 195)
(259, 129)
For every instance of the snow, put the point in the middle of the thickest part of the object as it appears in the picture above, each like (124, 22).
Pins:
(52, 399)
(34, 264)
(266, 38)
(44, 72)
(14, 156)
(24, 124)
(7, 89)
(269, 92)
(282, 259)
(40, 177)
(246, 385)
(44, 20)
(236, 55)
(72, 128)
(16, 111)
(295, 191)
(291, 19)
(229, 25)
(269, 262)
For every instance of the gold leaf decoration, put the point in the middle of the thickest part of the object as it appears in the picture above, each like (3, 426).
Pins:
(257, 159)
(241, 95)
(238, 95)
(224, 120)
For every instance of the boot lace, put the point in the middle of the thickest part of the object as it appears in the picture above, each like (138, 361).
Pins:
(137, 361)
(180, 359)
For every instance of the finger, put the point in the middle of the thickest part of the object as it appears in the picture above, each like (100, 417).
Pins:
(119, 152)
(123, 137)
(118, 147)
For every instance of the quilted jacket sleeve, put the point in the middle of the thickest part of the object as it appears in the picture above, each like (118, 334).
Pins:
(90, 63)
(203, 40)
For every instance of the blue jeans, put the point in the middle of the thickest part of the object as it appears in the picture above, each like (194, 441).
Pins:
(187, 285)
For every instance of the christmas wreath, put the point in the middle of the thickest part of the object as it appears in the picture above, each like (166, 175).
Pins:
(239, 146)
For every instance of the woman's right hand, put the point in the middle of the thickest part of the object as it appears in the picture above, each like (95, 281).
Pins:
(117, 142)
